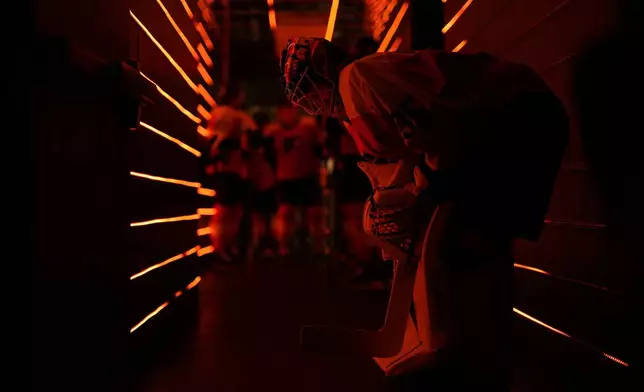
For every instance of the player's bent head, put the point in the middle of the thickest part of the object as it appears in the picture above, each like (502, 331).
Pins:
(310, 68)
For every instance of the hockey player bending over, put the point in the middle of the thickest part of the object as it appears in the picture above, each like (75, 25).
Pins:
(479, 134)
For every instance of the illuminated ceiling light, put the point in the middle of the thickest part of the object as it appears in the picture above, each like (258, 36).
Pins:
(206, 250)
(168, 180)
(455, 18)
(195, 282)
(192, 50)
(204, 93)
(149, 316)
(204, 36)
(165, 53)
(173, 101)
(562, 333)
(207, 211)
(188, 10)
(394, 27)
(172, 139)
(166, 262)
(271, 15)
(331, 23)
(395, 45)
(166, 220)
(204, 55)
(206, 192)
(205, 231)
(204, 74)
(459, 46)
(204, 113)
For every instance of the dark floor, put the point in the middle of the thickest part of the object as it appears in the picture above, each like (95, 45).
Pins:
(246, 339)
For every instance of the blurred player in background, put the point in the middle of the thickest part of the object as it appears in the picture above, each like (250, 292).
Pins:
(297, 145)
(229, 127)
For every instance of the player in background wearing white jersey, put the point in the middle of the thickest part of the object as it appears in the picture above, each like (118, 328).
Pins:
(479, 134)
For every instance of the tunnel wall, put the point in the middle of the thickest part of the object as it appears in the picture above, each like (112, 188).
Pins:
(85, 142)
(580, 48)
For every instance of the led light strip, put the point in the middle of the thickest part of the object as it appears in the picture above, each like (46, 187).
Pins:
(394, 27)
(185, 76)
(178, 142)
(460, 46)
(271, 15)
(562, 333)
(191, 49)
(173, 101)
(331, 23)
(166, 220)
(166, 262)
(456, 17)
(204, 36)
(190, 286)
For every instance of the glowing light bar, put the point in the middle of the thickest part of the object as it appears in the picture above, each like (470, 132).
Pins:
(207, 211)
(205, 231)
(459, 46)
(149, 316)
(562, 333)
(204, 113)
(206, 250)
(173, 101)
(204, 74)
(172, 139)
(456, 17)
(166, 262)
(203, 131)
(206, 192)
(394, 47)
(204, 55)
(168, 180)
(204, 93)
(204, 36)
(188, 10)
(192, 50)
(166, 220)
(271, 15)
(394, 27)
(165, 53)
(331, 23)
(576, 281)
(178, 294)
(192, 284)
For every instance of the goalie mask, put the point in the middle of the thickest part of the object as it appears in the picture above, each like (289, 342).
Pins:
(310, 68)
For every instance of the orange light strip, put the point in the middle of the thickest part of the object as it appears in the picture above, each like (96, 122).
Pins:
(204, 55)
(207, 211)
(192, 50)
(576, 281)
(204, 113)
(188, 10)
(205, 231)
(204, 93)
(331, 23)
(168, 180)
(166, 262)
(204, 36)
(525, 267)
(178, 294)
(562, 333)
(204, 74)
(459, 46)
(394, 47)
(394, 27)
(271, 15)
(193, 283)
(455, 18)
(166, 220)
(206, 192)
(203, 131)
(206, 250)
(149, 316)
(172, 139)
(173, 101)
(165, 53)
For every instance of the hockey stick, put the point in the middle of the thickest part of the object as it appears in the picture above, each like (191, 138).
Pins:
(386, 341)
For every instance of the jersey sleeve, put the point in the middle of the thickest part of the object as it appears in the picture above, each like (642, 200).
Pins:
(377, 89)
